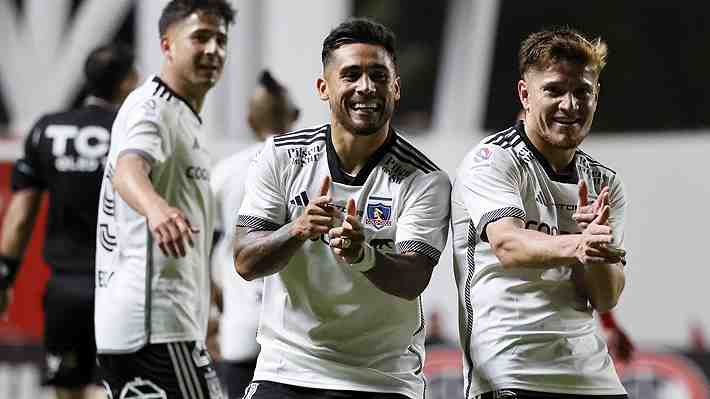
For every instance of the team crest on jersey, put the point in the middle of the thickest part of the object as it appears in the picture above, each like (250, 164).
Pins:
(379, 214)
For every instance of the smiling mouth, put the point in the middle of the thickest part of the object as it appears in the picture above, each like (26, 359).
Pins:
(365, 107)
(567, 122)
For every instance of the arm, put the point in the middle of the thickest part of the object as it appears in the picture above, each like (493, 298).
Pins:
(262, 253)
(602, 284)
(19, 220)
(168, 225)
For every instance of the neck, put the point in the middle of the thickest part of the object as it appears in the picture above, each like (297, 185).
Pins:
(353, 150)
(194, 95)
(558, 158)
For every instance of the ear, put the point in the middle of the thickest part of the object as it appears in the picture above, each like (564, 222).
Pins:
(322, 87)
(396, 90)
(165, 47)
(524, 94)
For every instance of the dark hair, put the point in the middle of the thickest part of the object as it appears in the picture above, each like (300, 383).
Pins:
(106, 67)
(553, 45)
(177, 10)
(270, 84)
(359, 30)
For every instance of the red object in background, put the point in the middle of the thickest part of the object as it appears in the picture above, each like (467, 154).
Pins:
(25, 318)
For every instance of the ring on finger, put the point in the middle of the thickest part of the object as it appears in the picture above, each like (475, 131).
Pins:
(345, 243)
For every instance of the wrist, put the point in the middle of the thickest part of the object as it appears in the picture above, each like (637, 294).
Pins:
(366, 261)
(8, 270)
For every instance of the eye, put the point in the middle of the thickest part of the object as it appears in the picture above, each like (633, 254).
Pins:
(379, 76)
(553, 91)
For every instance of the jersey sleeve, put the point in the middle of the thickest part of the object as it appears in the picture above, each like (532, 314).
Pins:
(263, 207)
(422, 227)
(146, 132)
(27, 171)
(490, 185)
(617, 214)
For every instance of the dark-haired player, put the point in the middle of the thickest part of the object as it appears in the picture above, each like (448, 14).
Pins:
(345, 222)
(156, 213)
(64, 156)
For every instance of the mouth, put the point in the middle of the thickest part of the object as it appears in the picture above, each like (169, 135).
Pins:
(365, 107)
(567, 121)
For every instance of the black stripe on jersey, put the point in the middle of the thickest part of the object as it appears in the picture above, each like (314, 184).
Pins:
(420, 366)
(567, 175)
(256, 223)
(336, 169)
(300, 135)
(468, 332)
(419, 247)
(107, 240)
(162, 90)
(591, 161)
(300, 143)
(498, 214)
(505, 139)
(404, 147)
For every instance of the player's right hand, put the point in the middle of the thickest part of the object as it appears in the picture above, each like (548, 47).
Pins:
(593, 244)
(318, 217)
(171, 230)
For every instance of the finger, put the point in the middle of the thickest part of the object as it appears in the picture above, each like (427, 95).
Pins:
(325, 186)
(603, 217)
(163, 249)
(190, 231)
(350, 208)
(336, 232)
(600, 198)
(185, 231)
(583, 194)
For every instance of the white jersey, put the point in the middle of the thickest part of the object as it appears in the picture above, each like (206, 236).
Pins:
(143, 296)
(324, 325)
(241, 298)
(526, 328)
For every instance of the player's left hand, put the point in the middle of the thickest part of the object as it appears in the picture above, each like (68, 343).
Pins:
(347, 239)
(587, 212)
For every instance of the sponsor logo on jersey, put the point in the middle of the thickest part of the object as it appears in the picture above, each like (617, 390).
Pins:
(197, 173)
(379, 214)
(78, 150)
(542, 200)
(382, 244)
(304, 155)
(396, 170)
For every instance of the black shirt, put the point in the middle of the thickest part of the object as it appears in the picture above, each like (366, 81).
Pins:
(65, 155)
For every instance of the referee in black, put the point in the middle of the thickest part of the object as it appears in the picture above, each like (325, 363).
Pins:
(64, 155)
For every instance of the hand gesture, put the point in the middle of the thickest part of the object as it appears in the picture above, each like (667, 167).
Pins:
(318, 217)
(586, 212)
(171, 229)
(593, 244)
(347, 239)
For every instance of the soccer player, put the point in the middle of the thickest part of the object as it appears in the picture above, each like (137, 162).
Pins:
(530, 272)
(345, 222)
(156, 213)
(271, 111)
(64, 156)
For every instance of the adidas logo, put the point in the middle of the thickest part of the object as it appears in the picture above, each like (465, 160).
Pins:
(300, 199)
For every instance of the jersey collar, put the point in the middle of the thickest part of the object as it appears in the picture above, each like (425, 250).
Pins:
(335, 166)
(567, 175)
(163, 89)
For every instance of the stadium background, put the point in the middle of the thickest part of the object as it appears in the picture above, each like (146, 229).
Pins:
(458, 64)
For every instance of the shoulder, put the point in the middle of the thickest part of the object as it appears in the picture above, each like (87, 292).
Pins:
(300, 147)
(151, 102)
(498, 150)
(587, 162)
(406, 153)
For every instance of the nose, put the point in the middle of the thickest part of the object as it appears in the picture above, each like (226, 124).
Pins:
(212, 47)
(569, 102)
(365, 84)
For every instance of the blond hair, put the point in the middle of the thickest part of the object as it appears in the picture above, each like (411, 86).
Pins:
(541, 49)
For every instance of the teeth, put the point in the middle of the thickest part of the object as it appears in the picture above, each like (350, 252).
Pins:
(365, 106)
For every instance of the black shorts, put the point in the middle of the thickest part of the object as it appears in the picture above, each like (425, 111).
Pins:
(69, 343)
(276, 390)
(175, 370)
(523, 394)
(235, 376)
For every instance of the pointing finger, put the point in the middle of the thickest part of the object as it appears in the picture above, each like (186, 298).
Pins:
(325, 186)
(583, 193)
